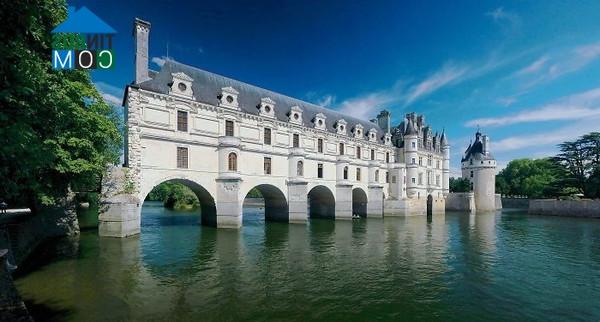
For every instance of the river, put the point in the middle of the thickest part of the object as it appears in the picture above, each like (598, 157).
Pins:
(458, 267)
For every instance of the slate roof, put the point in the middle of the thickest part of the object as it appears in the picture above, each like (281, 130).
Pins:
(207, 87)
(475, 151)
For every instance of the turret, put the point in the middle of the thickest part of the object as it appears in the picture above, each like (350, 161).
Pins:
(411, 157)
(445, 148)
(479, 167)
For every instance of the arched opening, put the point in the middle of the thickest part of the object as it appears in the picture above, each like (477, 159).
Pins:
(300, 169)
(321, 203)
(359, 202)
(429, 205)
(232, 162)
(180, 198)
(265, 202)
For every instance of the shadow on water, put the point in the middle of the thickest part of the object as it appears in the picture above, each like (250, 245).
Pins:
(47, 311)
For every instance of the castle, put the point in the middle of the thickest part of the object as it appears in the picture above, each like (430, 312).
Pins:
(222, 138)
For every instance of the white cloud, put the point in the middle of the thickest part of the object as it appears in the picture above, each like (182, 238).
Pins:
(507, 101)
(578, 106)
(500, 15)
(326, 100)
(111, 94)
(533, 67)
(367, 106)
(160, 60)
(445, 76)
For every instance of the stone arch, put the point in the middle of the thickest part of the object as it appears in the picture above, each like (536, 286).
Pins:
(321, 202)
(359, 202)
(208, 209)
(276, 204)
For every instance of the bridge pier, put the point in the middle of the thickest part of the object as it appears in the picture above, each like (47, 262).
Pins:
(375, 204)
(343, 201)
(229, 207)
(297, 201)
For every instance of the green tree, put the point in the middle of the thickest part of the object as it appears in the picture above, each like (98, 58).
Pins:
(580, 162)
(174, 195)
(527, 177)
(460, 185)
(57, 132)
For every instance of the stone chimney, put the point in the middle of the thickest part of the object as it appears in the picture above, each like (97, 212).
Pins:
(486, 144)
(384, 121)
(141, 31)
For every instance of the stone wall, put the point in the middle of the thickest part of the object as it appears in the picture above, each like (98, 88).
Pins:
(567, 208)
(460, 201)
(515, 203)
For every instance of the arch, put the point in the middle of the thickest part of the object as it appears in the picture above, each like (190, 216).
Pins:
(429, 205)
(232, 161)
(276, 205)
(359, 202)
(208, 209)
(321, 203)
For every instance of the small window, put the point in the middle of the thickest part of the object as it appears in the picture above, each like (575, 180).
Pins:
(182, 87)
(372, 154)
(267, 136)
(387, 177)
(232, 162)
(228, 128)
(357, 174)
(420, 178)
(320, 145)
(267, 165)
(358, 152)
(387, 157)
(393, 179)
(376, 175)
(437, 164)
(420, 160)
(413, 161)
(320, 170)
(437, 180)
(182, 121)
(414, 145)
(471, 174)
(345, 173)
(296, 140)
(341, 148)
(414, 180)
(300, 168)
(182, 158)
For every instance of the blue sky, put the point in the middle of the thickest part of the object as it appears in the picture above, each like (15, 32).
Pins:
(527, 72)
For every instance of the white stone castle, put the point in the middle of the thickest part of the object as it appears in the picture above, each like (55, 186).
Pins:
(222, 138)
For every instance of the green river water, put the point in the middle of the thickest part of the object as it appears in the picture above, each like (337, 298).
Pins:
(457, 267)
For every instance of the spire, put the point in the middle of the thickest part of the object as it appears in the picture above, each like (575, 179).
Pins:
(410, 128)
(443, 139)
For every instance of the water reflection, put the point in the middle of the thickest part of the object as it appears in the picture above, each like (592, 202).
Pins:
(455, 266)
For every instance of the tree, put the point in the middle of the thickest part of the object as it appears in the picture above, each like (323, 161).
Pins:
(57, 132)
(460, 185)
(527, 177)
(580, 162)
(174, 195)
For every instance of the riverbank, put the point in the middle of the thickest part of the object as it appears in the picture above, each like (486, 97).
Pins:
(565, 208)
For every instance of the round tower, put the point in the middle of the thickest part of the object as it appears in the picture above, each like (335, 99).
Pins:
(445, 164)
(411, 156)
(479, 166)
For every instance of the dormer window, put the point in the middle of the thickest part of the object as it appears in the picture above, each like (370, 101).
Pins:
(229, 97)
(358, 131)
(266, 107)
(372, 135)
(341, 126)
(319, 121)
(295, 115)
(387, 139)
(181, 85)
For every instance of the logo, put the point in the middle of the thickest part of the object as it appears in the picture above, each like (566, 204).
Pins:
(83, 41)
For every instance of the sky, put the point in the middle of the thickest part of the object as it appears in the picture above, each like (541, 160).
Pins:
(526, 72)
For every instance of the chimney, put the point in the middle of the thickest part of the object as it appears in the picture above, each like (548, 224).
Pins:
(141, 30)
(486, 144)
(384, 121)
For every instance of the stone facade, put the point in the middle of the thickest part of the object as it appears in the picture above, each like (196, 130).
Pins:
(222, 138)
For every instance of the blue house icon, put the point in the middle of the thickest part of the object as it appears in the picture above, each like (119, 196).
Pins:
(83, 21)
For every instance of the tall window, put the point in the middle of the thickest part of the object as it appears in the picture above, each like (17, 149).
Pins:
(357, 174)
(471, 174)
(414, 145)
(358, 152)
(345, 173)
(300, 169)
(437, 164)
(387, 157)
(320, 170)
(387, 177)
(430, 160)
(228, 128)
(437, 180)
(341, 148)
(420, 160)
(232, 162)
(267, 136)
(420, 178)
(376, 175)
(320, 145)
(372, 154)
(296, 140)
(182, 121)
(267, 165)
(182, 158)
(428, 178)
(413, 161)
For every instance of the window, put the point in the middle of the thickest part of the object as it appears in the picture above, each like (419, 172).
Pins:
(376, 175)
(267, 136)
(471, 186)
(357, 174)
(300, 168)
(320, 145)
(358, 152)
(414, 180)
(387, 157)
(267, 165)
(345, 173)
(437, 180)
(387, 177)
(228, 128)
(420, 178)
(232, 162)
(393, 179)
(296, 141)
(413, 161)
(372, 154)
(429, 160)
(428, 178)
(413, 145)
(471, 174)
(182, 121)
(182, 158)
(341, 148)
(437, 164)
(420, 160)
(320, 170)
